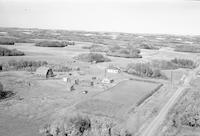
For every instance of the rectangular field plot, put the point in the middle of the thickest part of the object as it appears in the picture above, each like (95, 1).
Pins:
(115, 101)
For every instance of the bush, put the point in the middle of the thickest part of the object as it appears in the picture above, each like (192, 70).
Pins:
(23, 65)
(51, 44)
(92, 57)
(4, 94)
(143, 69)
(163, 64)
(186, 112)
(184, 63)
(192, 49)
(81, 125)
(173, 64)
(8, 52)
(76, 125)
(7, 41)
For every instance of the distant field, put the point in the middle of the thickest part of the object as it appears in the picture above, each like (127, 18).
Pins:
(50, 54)
(114, 101)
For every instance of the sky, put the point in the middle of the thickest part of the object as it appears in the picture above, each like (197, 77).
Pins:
(132, 16)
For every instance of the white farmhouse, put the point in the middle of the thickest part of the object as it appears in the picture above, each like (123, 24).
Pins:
(114, 70)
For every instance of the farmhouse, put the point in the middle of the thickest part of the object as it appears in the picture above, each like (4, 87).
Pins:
(112, 69)
(115, 71)
(44, 72)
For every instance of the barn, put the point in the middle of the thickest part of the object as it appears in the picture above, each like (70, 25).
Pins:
(44, 72)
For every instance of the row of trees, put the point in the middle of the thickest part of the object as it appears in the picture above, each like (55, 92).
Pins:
(54, 43)
(184, 63)
(7, 41)
(81, 125)
(173, 64)
(10, 52)
(23, 64)
(143, 69)
(51, 44)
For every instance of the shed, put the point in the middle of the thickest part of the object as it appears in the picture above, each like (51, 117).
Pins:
(44, 72)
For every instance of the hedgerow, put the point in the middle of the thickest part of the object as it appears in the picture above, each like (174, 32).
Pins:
(82, 125)
(10, 52)
(23, 65)
(143, 69)
(51, 44)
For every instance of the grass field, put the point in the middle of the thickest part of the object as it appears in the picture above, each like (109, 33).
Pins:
(118, 99)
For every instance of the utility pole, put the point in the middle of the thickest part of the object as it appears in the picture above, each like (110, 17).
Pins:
(105, 73)
(171, 78)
